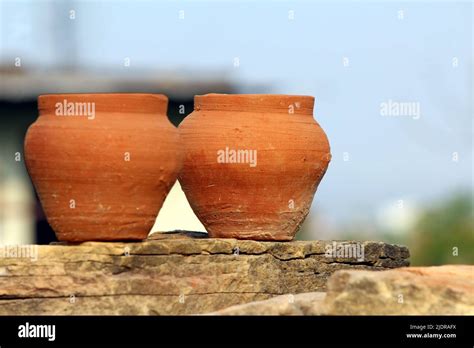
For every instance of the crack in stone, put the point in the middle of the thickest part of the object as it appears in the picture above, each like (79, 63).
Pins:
(10, 298)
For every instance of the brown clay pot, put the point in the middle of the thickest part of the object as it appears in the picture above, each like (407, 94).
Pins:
(102, 175)
(252, 163)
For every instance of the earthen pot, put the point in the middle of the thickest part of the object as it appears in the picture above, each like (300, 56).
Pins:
(252, 163)
(102, 164)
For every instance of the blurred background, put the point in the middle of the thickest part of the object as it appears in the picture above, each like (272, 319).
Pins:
(398, 176)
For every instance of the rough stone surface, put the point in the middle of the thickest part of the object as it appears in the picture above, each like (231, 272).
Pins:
(443, 290)
(418, 290)
(300, 304)
(172, 273)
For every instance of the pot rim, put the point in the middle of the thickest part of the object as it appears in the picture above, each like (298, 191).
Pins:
(280, 103)
(109, 102)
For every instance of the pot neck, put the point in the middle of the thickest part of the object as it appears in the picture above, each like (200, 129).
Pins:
(116, 103)
(289, 104)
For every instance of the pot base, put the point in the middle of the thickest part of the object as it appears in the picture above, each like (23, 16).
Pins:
(79, 237)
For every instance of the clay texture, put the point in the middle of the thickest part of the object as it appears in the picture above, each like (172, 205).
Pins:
(102, 164)
(252, 163)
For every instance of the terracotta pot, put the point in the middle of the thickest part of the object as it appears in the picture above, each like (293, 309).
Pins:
(102, 164)
(252, 163)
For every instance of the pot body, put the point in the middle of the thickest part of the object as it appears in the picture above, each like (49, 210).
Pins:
(102, 164)
(252, 163)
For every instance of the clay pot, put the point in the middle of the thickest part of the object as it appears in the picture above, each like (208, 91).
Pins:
(252, 163)
(102, 164)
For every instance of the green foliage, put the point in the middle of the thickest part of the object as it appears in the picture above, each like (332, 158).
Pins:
(440, 230)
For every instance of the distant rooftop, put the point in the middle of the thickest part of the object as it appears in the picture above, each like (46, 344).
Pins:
(20, 84)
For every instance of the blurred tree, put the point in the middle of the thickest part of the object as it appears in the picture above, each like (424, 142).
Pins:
(444, 234)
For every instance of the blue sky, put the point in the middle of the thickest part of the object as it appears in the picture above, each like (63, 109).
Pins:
(407, 59)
